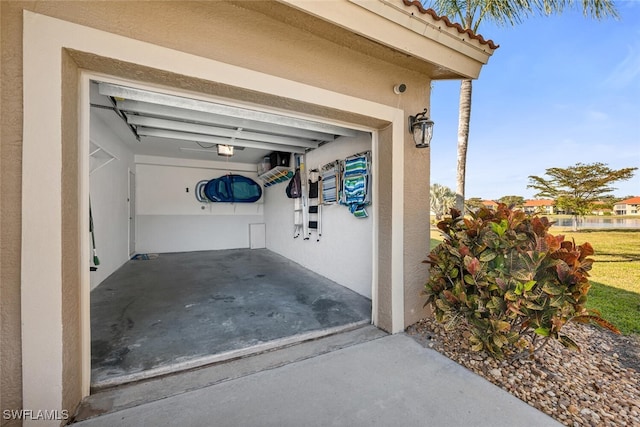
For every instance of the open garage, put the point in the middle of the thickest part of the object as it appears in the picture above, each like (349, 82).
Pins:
(360, 68)
(179, 280)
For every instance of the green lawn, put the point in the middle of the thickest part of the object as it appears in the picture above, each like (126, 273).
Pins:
(615, 277)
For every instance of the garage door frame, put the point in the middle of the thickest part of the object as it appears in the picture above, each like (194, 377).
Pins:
(48, 317)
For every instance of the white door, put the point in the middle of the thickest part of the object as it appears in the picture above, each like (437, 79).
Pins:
(132, 212)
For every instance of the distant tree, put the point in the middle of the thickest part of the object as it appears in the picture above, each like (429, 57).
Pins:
(473, 204)
(576, 188)
(442, 200)
(512, 201)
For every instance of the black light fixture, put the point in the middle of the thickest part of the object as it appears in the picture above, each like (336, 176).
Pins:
(421, 127)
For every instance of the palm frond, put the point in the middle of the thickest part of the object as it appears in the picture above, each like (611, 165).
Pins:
(598, 9)
(472, 13)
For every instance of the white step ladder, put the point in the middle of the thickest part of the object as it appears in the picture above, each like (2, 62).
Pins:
(300, 212)
(314, 206)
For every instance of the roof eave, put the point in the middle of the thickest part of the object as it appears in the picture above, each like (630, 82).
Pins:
(392, 24)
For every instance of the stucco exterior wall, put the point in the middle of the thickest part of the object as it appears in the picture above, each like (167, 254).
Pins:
(10, 205)
(232, 34)
(71, 302)
(416, 231)
(385, 226)
(225, 32)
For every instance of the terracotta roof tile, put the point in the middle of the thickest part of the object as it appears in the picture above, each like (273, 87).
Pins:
(539, 202)
(631, 201)
(450, 24)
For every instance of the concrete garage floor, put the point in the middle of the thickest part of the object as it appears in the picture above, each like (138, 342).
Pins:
(180, 310)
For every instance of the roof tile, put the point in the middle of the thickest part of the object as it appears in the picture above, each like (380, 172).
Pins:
(539, 202)
(631, 201)
(450, 24)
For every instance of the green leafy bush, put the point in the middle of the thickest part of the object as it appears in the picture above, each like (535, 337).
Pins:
(515, 285)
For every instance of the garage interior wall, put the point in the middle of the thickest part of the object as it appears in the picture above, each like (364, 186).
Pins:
(344, 251)
(109, 190)
(170, 219)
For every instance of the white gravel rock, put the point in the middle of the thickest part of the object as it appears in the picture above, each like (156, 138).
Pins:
(496, 373)
(598, 386)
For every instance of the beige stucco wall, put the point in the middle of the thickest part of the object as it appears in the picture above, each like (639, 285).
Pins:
(10, 205)
(385, 222)
(416, 231)
(71, 297)
(228, 33)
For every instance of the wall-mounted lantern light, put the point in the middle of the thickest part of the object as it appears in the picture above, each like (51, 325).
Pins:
(422, 129)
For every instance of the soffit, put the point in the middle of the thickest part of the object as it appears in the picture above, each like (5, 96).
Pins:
(392, 30)
(344, 37)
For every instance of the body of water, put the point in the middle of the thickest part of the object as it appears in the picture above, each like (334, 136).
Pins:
(595, 223)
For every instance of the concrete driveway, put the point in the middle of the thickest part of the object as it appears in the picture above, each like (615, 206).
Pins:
(381, 380)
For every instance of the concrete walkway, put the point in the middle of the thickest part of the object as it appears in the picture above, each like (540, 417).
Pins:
(387, 381)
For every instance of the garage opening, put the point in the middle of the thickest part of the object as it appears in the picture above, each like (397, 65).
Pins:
(179, 280)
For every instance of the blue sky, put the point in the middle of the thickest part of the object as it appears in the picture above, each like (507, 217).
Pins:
(559, 90)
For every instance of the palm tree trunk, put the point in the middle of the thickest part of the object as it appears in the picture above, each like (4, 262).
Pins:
(464, 116)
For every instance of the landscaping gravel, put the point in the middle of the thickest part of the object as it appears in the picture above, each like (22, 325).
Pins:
(599, 386)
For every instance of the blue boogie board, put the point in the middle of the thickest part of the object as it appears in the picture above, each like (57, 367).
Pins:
(233, 189)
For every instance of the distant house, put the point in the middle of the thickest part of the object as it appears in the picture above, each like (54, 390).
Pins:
(600, 208)
(489, 204)
(628, 206)
(545, 206)
(601, 211)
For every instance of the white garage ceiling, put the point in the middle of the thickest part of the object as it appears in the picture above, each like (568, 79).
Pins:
(158, 124)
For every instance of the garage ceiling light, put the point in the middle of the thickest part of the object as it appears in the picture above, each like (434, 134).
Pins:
(208, 150)
(225, 150)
